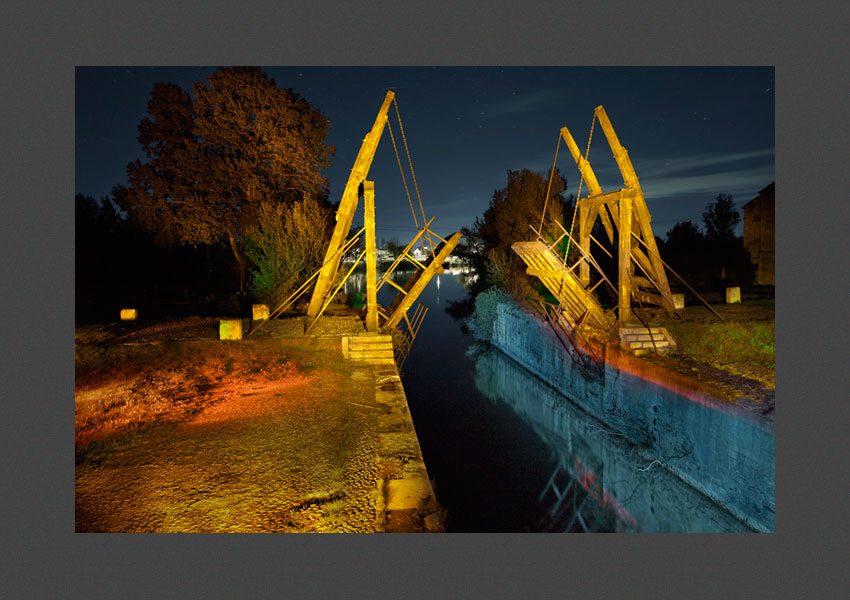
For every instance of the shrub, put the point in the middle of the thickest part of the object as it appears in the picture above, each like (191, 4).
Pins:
(287, 247)
(482, 319)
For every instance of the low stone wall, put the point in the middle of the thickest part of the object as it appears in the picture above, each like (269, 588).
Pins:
(406, 498)
(725, 453)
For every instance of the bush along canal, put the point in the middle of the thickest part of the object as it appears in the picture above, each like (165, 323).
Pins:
(518, 436)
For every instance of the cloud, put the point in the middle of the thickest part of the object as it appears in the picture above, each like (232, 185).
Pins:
(664, 166)
(743, 184)
(663, 178)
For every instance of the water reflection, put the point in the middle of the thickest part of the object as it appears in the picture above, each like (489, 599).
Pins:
(498, 442)
(600, 482)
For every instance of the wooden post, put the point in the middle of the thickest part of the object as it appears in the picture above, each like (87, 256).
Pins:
(371, 258)
(625, 259)
(584, 242)
(398, 309)
(346, 210)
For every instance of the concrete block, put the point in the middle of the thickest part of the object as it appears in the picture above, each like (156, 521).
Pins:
(129, 314)
(260, 312)
(678, 301)
(230, 329)
(733, 295)
(408, 493)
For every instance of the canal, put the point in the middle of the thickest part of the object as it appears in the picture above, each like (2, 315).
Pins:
(507, 453)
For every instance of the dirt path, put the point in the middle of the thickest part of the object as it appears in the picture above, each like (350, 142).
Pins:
(285, 440)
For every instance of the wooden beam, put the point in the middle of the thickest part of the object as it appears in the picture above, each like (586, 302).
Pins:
(347, 208)
(403, 303)
(644, 221)
(609, 198)
(371, 256)
(584, 241)
(647, 298)
(621, 155)
(625, 260)
(583, 165)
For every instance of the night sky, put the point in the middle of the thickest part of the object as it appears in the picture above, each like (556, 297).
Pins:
(691, 133)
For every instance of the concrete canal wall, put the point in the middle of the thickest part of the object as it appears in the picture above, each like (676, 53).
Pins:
(724, 452)
(651, 498)
(404, 488)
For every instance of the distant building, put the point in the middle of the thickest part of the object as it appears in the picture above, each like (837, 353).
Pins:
(759, 238)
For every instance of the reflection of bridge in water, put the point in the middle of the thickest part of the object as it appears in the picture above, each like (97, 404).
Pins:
(600, 482)
(356, 282)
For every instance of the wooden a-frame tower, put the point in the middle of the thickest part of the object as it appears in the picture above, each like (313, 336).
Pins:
(625, 211)
(640, 271)
(328, 283)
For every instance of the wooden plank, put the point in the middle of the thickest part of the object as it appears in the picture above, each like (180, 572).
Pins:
(647, 298)
(347, 208)
(624, 263)
(371, 256)
(642, 281)
(583, 165)
(598, 200)
(418, 283)
(584, 241)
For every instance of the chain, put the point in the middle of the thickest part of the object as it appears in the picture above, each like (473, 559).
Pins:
(413, 173)
(403, 178)
(580, 183)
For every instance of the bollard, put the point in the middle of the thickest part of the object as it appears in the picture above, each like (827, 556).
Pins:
(733, 295)
(230, 329)
(129, 314)
(678, 301)
(260, 312)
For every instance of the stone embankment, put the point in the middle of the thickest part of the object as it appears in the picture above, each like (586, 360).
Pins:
(718, 447)
(180, 432)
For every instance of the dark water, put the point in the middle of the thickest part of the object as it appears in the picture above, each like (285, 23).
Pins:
(497, 440)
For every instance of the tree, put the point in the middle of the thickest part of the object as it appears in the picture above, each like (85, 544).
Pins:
(287, 247)
(684, 250)
(216, 155)
(512, 209)
(393, 246)
(720, 219)
(727, 257)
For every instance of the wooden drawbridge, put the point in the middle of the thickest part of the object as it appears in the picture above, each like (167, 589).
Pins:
(326, 282)
(625, 217)
(579, 304)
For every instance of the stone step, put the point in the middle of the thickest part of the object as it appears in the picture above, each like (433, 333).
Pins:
(378, 361)
(660, 344)
(639, 338)
(631, 330)
(644, 337)
(363, 340)
(361, 355)
(370, 346)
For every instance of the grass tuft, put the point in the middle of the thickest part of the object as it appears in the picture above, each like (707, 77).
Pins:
(746, 349)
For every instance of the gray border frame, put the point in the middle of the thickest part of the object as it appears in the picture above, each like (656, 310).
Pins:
(42, 43)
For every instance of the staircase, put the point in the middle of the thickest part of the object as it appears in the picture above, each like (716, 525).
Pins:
(373, 349)
(642, 338)
(580, 305)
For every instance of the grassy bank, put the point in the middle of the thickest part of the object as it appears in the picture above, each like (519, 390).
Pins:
(742, 348)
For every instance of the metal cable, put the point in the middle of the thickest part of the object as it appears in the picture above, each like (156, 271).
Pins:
(403, 178)
(412, 172)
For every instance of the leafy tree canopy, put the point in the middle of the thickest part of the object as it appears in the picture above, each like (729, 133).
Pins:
(720, 218)
(512, 209)
(215, 155)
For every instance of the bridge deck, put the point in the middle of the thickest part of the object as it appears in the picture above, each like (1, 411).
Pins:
(579, 304)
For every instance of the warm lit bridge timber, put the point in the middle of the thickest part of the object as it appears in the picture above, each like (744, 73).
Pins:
(641, 276)
(327, 282)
